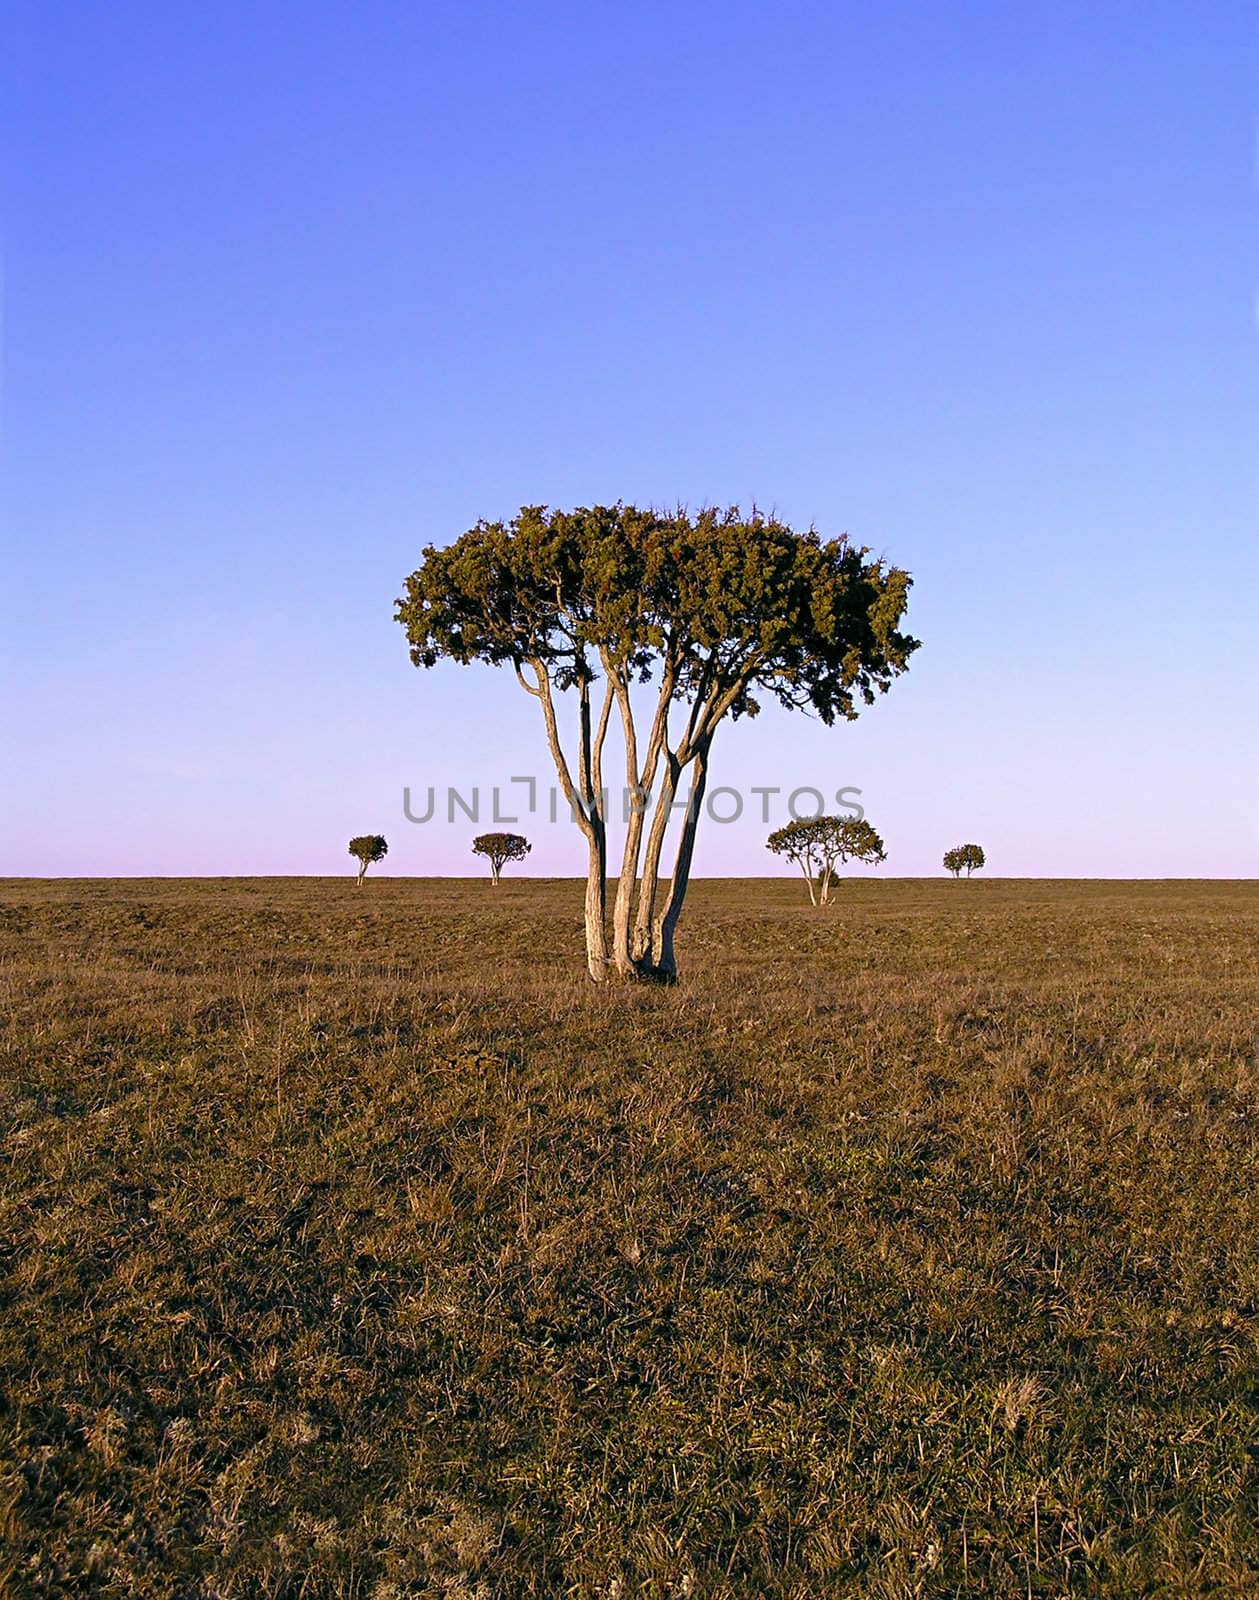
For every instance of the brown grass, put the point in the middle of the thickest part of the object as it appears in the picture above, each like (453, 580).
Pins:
(353, 1245)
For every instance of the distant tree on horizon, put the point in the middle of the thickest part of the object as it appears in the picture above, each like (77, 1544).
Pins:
(499, 849)
(720, 611)
(819, 844)
(367, 849)
(968, 856)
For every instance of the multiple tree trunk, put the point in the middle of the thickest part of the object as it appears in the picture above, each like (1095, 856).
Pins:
(819, 883)
(644, 918)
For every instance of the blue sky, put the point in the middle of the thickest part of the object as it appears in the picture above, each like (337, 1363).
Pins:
(292, 290)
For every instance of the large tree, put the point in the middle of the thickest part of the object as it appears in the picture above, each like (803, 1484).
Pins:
(716, 612)
(820, 844)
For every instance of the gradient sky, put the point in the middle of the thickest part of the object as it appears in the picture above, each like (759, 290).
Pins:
(291, 290)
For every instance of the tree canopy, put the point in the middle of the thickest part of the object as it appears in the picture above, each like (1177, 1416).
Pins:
(718, 610)
(820, 844)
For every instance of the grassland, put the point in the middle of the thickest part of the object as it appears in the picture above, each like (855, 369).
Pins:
(354, 1245)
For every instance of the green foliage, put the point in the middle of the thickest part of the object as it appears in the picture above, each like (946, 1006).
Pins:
(963, 856)
(819, 844)
(500, 848)
(741, 604)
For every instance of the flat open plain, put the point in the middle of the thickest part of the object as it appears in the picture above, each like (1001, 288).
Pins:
(353, 1244)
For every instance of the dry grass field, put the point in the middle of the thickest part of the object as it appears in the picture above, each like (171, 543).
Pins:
(352, 1244)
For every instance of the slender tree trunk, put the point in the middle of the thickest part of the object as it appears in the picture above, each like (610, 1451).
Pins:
(622, 954)
(808, 878)
(362, 873)
(596, 902)
(644, 947)
(666, 962)
(590, 765)
(626, 953)
(622, 906)
(715, 693)
(587, 801)
(494, 874)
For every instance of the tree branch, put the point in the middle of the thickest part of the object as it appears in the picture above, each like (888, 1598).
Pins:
(553, 739)
(601, 733)
(527, 687)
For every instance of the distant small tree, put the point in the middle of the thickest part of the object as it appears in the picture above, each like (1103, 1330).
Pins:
(819, 844)
(500, 848)
(968, 856)
(366, 849)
